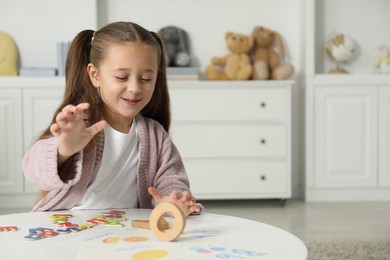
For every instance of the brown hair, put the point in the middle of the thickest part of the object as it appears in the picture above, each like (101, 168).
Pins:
(90, 47)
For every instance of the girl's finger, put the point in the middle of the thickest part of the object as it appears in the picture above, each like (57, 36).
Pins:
(185, 196)
(192, 201)
(175, 195)
(54, 129)
(96, 128)
(155, 193)
(82, 106)
(79, 110)
(69, 115)
(62, 122)
(59, 116)
(71, 108)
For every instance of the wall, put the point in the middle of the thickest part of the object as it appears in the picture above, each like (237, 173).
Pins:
(40, 23)
(37, 25)
(207, 21)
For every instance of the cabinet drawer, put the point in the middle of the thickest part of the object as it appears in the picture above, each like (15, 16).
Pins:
(237, 179)
(229, 104)
(230, 140)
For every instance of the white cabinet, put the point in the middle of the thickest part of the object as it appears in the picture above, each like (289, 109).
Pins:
(346, 136)
(348, 139)
(39, 105)
(347, 116)
(26, 108)
(11, 177)
(234, 137)
(384, 133)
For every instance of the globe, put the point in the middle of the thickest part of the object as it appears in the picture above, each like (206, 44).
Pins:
(339, 49)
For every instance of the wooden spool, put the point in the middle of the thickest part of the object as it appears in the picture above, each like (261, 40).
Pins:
(139, 223)
(176, 229)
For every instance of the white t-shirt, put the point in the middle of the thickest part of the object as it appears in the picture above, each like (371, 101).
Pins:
(115, 184)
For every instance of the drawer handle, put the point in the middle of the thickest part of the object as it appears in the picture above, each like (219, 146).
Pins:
(263, 177)
(263, 141)
(263, 104)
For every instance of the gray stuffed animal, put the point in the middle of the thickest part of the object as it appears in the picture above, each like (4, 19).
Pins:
(177, 46)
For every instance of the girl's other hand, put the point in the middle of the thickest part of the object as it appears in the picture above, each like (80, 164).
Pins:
(184, 200)
(71, 131)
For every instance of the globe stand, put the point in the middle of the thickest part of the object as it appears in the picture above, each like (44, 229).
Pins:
(338, 69)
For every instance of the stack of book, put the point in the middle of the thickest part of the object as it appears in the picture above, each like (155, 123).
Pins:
(183, 73)
(62, 51)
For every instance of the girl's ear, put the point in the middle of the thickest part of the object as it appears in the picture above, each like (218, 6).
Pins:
(93, 75)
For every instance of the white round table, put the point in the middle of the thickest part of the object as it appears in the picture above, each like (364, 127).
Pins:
(206, 236)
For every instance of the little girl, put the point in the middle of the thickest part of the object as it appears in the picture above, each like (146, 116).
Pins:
(108, 144)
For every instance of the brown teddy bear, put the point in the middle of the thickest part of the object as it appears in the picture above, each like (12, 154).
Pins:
(267, 63)
(237, 64)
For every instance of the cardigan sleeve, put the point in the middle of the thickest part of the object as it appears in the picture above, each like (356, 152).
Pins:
(171, 174)
(41, 169)
(160, 165)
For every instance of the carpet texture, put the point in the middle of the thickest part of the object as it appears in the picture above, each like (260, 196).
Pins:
(351, 250)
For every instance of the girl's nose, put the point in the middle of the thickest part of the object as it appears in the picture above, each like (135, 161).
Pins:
(133, 87)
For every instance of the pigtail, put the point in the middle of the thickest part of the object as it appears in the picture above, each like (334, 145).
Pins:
(77, 79)
(159, 106)
(78, 87)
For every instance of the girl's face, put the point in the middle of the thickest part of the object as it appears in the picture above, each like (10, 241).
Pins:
(126, 78)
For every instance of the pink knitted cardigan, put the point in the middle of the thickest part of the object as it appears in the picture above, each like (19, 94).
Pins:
(159, 166)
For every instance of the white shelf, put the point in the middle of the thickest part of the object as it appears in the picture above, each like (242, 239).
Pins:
(32, 82)
(349, 79)
(229, 84)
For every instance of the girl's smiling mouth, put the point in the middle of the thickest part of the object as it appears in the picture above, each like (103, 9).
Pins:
(131, 101)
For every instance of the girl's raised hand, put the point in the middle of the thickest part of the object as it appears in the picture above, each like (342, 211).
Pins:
(185, 201)
(71, 131)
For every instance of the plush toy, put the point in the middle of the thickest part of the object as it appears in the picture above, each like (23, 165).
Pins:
(267, 63)
(8, 56)
(177, 46)
(383, 63)
(236, 65)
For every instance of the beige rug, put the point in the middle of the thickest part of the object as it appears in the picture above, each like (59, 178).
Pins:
(351, 250)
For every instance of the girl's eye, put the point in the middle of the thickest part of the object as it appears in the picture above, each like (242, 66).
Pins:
(122, 78)
(145, 79)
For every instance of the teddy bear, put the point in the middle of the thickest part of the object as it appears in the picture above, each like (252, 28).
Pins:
(266, 62)
(236, 65)
(177, 46)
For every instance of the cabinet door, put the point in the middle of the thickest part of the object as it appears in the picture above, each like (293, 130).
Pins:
(11, 177)
(230, 140)
(346, 136)
(232, 179)
(227, 104)
(39, 106)
(384, 136)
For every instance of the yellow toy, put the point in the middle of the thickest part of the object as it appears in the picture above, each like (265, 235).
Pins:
(267, 63)
(384, 60)
(233, 66)
(8, 56)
